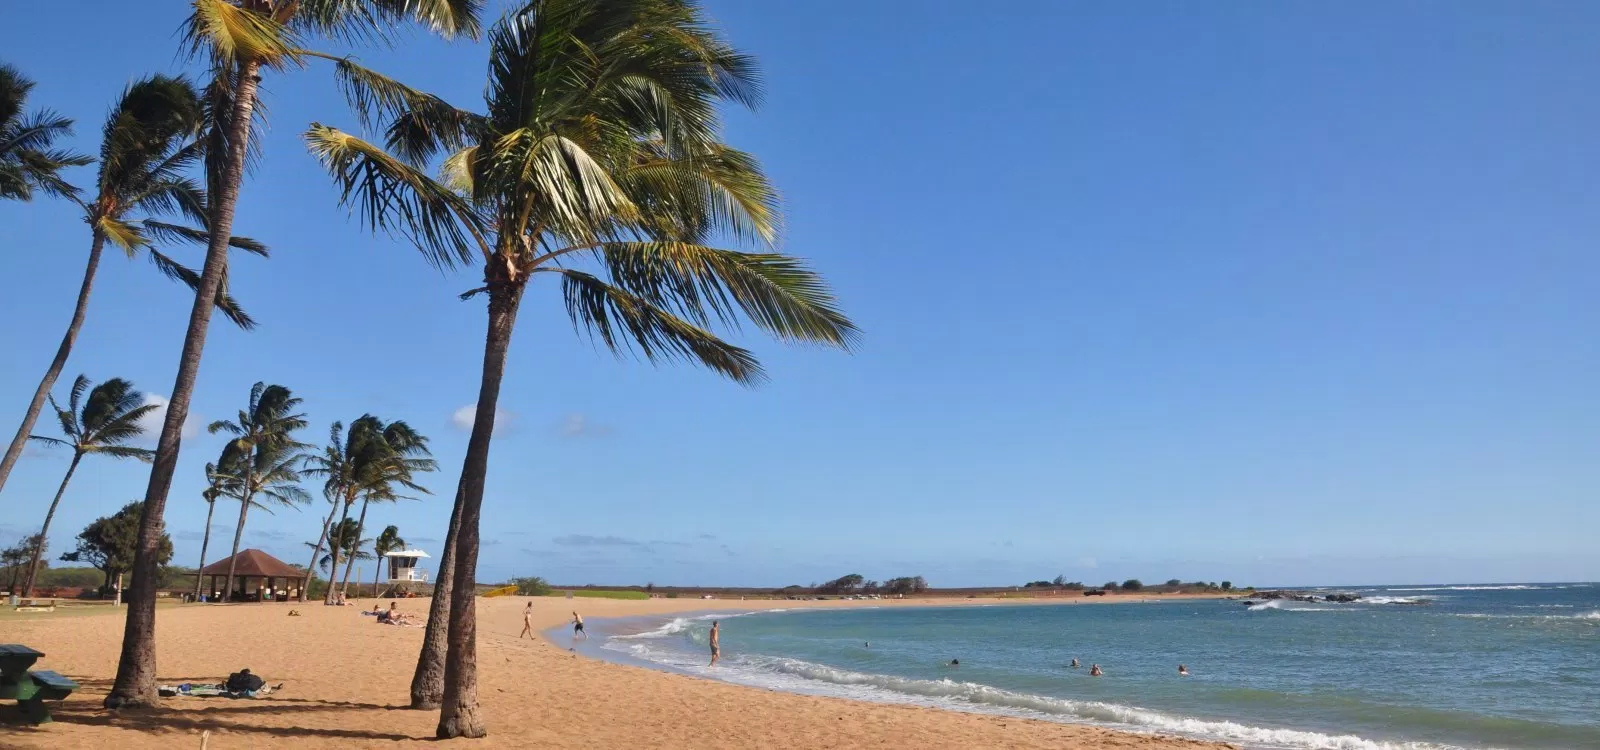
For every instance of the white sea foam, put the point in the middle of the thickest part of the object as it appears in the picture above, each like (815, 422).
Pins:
(1289, 605)
(1506, 587)
(1396, 599)
(1595, 615)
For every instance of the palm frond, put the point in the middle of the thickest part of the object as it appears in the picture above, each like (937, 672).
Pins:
(189, 277)
(51, 441)
(123, 451)
(164, 232)
(625, 322)
(231, 35)
(397, 198)
(375, 20)
(122, 234)
(777, 292)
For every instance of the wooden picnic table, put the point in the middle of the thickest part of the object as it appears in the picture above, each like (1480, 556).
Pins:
(30, 689)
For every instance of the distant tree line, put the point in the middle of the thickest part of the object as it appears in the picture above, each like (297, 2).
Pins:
(856, 584)
(1133, 584)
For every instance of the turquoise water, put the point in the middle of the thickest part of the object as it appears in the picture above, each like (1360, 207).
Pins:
(1411, 668)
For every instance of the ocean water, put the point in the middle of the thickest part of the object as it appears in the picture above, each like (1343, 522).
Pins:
(1409, 668)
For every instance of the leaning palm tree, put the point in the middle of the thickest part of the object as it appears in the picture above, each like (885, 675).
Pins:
(149, 143)
(331, 464)
(345, 539)
(390, 459)
(239, 38)
(389, 540)
(103, 425)
(370, 464)
(599, 140)
(27, 160)
(223, 478)
(269, 456)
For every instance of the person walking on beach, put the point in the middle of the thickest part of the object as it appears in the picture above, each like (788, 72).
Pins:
(577, 626)
(527, 621)
(716, 643)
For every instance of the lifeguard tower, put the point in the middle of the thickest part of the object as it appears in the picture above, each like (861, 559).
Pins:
(403, 567)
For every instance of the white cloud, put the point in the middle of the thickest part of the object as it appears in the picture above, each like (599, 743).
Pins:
(579, 425)
(152, 422)
(464, 417)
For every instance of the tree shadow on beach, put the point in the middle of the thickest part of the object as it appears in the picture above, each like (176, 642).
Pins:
(195, 714)
(231, 716)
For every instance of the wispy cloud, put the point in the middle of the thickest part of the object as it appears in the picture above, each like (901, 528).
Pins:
(151, 423)
(466, 416)
(586, 540)
(423, 540)
(578, 425)
(274, 535)
(711, 537)
(195, 535)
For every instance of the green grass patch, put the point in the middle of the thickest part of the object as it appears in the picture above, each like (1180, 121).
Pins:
(601, 594)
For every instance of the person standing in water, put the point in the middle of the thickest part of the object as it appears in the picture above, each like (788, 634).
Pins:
(577, 626)
(1075, 664)
(1183, 671)
(716, 643)
(1094, 671)
(527, 621)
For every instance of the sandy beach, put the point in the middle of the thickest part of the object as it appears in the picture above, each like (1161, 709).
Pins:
(346, 678)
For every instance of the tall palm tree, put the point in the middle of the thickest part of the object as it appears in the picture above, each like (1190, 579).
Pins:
(27, 161)
(600, 140)
(271, 458)
(223, 478)
(239, 38)
(148, 145)
(102, 425)
(389, 540)
(369, 464)
(331, 464)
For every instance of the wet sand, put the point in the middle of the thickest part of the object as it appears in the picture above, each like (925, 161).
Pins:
(346, 683)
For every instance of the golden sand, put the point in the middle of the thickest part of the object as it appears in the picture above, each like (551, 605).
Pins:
(346, 682)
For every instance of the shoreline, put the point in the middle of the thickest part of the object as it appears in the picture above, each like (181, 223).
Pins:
(346, 680)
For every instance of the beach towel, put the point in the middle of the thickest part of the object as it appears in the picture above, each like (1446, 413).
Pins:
(195, 690)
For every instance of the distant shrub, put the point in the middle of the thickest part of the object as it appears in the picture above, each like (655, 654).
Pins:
(672, 594)
(1227, 585)
(531, 586)
(1132, 584)
(1174, 583)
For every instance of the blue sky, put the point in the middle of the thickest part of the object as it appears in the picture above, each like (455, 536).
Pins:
(1277, 293)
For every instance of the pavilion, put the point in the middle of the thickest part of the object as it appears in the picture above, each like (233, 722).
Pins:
(259, 577)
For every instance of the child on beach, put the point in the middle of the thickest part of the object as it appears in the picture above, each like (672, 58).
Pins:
(716, 643)
(577, 626)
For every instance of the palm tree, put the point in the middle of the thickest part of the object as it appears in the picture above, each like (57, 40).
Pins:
(149, 143)
(27, 161)
(393, 456)
(223, 478)
(599, 140)
(103, 425)
(269, 456)
(346, 539)
(367, 465)
(239, 38)
(388, 541)
(330, 464)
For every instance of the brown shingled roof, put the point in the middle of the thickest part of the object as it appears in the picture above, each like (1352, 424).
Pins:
(253, 562)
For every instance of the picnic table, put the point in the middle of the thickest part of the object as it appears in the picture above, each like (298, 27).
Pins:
(31, 689)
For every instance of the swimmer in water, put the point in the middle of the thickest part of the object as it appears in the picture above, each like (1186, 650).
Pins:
(954, 663)
(1183, 671)
(1075, 664)
(1094, 671)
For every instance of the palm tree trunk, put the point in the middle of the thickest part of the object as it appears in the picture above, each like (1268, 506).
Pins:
(315, 553)
(62, 352)
(38, 549)
(458, 716)
(348, 564)
(333, 552)
(205, 541)
(427, 683)
(135, 685)
(238, 533)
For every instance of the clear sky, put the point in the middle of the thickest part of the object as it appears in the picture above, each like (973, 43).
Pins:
(1281, 293)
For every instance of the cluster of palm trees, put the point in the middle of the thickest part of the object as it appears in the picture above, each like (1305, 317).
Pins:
(260, 467)
(596, 162)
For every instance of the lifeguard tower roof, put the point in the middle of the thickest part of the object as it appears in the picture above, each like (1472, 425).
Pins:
(407, 553)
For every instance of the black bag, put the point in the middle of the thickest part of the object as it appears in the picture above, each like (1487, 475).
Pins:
(244, 682)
